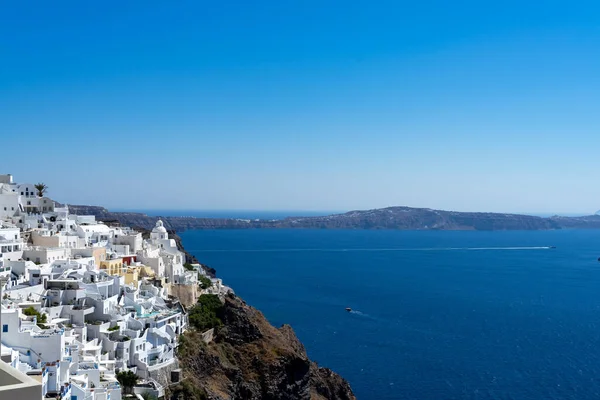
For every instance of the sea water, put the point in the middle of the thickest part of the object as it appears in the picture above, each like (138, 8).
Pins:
(436, 314)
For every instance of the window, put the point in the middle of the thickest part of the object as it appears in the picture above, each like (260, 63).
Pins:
(21, 193)
(4, 328)
(12, 208)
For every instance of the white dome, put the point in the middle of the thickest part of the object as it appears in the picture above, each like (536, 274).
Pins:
(159, 228)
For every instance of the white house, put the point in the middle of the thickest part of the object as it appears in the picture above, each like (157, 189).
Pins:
(95, 234)
(161, 246)
(18, 198)
(10, 204)
(44, 255)
(15, 384)
(50, 238)
(11, 243)
(35, 344)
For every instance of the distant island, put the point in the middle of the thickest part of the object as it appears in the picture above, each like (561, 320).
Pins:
(402, 218)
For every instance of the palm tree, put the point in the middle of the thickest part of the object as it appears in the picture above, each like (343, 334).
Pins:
(41, 189)
(128, 379)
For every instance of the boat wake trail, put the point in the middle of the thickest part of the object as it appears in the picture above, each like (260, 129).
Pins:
(361, 314)
(374, 249)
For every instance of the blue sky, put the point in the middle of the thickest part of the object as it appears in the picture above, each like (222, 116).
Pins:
(304, 105)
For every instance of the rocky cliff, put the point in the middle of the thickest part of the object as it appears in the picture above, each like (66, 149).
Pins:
(250, 359)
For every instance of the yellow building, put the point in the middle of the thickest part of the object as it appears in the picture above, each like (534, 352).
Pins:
(99, 254)
(112, 267)
(132, 275)
(146, 272)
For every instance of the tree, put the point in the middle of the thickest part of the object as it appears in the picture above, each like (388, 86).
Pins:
(127, 379)
(41, 188)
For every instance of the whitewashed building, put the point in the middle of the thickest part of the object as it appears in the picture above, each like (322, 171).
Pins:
(83, 300)
(11, 243)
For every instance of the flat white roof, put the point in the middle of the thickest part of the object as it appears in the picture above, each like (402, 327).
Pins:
(15, 382)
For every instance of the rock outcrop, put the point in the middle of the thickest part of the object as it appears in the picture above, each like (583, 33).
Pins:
(250, 359)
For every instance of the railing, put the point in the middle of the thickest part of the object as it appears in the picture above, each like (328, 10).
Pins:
(88, 365)
(12, 241)
(156, 350)
(27, 351)
(64, 390)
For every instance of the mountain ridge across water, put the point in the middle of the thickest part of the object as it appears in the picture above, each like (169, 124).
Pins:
(398, 217)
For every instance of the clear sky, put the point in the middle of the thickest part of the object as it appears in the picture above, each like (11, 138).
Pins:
(305, 104)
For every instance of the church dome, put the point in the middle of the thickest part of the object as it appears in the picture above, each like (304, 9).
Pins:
(159, 228)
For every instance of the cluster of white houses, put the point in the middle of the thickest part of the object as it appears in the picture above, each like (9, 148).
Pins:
(81, 300)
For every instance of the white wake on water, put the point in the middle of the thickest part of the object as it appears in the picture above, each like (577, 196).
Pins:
(360, 314)
(373, 249)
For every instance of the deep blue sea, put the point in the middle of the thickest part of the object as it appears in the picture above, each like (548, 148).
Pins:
(438, 314)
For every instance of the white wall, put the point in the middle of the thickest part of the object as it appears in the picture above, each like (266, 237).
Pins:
(11, 244)
(134, 241)
(9, 204)
(16, 385)
(48, 346)
(55, 240)
(6, 178)
(46, 255)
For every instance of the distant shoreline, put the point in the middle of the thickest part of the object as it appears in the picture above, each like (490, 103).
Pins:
(227, 214)
(399, 218)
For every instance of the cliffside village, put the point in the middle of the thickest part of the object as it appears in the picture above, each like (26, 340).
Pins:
(82, 300)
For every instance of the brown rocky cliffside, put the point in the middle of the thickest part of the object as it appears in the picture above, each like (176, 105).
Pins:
(251, 359)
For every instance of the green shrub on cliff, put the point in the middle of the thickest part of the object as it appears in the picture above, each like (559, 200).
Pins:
(188, 266)
(188, 391)
(41, 318)
(205, 282)
(205, 314)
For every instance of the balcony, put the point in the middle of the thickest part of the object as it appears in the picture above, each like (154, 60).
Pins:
(88, 365)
